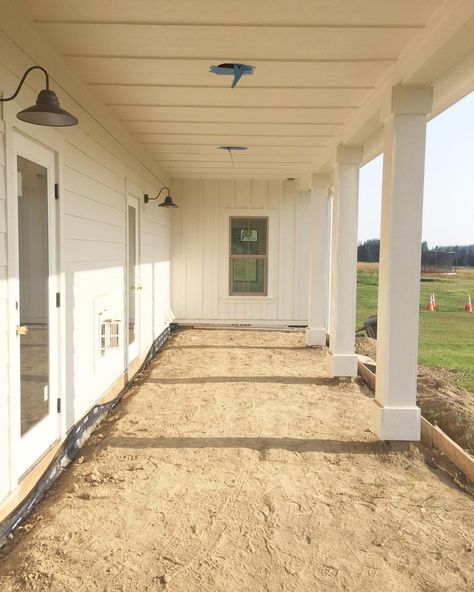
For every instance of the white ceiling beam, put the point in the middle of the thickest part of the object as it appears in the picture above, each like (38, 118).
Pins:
(244, 12)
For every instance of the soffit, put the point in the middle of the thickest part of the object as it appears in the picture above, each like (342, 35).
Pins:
(316, 62)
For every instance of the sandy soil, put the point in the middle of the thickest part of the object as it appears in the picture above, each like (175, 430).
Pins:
(439, 397)
(237, 466)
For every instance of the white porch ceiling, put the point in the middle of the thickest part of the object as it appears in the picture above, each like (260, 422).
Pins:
(316, 63)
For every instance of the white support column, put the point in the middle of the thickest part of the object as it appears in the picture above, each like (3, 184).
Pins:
(395, 415)
(318, 267)
(342, 360)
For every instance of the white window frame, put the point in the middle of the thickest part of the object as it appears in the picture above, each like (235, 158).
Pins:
(272, 252)
(256, 257)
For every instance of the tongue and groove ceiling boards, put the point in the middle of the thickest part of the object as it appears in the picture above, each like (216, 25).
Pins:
(316, 63)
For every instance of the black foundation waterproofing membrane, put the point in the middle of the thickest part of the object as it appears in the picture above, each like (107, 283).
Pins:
(71, 446)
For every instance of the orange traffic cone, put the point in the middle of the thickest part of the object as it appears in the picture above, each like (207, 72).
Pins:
(468, 305)
(430, 305)
(433, 299)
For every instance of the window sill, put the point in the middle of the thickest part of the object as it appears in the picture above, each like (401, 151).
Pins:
(247, 297)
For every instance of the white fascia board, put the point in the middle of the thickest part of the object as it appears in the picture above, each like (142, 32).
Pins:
(442, 57)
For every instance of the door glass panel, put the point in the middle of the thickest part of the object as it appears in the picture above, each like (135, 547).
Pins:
(132, 264)
(34, 294)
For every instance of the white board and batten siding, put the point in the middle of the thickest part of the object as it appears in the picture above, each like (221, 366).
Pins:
(200, 251)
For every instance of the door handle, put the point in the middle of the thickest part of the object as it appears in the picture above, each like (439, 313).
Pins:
(21, 330)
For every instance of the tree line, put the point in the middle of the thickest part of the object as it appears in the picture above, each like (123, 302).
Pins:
(369, 251)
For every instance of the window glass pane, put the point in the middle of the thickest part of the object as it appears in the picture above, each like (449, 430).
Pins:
(248, 236)
(33, 259)
(248, 276)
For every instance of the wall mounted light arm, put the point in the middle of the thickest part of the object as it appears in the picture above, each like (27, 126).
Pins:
(22, 81)
(168, 201)
(47, 110)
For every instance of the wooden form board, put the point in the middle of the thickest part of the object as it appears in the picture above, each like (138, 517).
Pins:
(432, 436)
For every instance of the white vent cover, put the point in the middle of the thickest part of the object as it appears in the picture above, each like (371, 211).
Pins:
(109, 334)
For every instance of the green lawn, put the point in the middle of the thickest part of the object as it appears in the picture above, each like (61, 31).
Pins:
(446, 335)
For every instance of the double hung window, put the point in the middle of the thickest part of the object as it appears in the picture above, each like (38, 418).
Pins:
(248, 265)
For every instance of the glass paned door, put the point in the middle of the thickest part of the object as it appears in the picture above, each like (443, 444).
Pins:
(33, 259)
(133, 278)
(36, 313)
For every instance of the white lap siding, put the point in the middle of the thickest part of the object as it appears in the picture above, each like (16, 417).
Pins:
(96, 162)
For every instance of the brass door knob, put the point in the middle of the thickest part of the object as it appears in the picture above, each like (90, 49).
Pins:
(21, 330)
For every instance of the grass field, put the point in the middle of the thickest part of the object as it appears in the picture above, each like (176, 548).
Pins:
(446, 335)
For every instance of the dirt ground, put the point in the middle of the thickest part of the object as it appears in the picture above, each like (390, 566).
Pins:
(236, 465)
(439, 397)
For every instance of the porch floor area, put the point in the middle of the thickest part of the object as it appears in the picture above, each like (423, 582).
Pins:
(236, 465)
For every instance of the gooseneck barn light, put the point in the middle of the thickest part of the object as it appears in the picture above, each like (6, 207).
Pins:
(168, 201)
(47, 110)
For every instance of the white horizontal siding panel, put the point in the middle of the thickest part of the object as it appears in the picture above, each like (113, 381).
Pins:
(85, 229)
(83, 207)
(81, 184)
(80, 161)
(94, 252)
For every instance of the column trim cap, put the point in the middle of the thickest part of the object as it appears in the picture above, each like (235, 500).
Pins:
(410, 100)
(321, 180)
(348, 154)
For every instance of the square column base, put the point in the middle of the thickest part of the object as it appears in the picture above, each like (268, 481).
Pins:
(315, 336)
(341, 365)
(396, 423)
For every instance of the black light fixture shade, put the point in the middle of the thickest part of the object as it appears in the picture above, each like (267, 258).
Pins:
(47, 110)
(166, 203)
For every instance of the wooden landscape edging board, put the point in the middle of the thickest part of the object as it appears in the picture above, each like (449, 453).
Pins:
(432, 436)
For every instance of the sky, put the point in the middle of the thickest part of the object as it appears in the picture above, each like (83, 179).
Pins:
(448, 204)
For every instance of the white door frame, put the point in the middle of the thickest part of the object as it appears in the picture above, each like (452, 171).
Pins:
(27, 449)
(133, 349)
